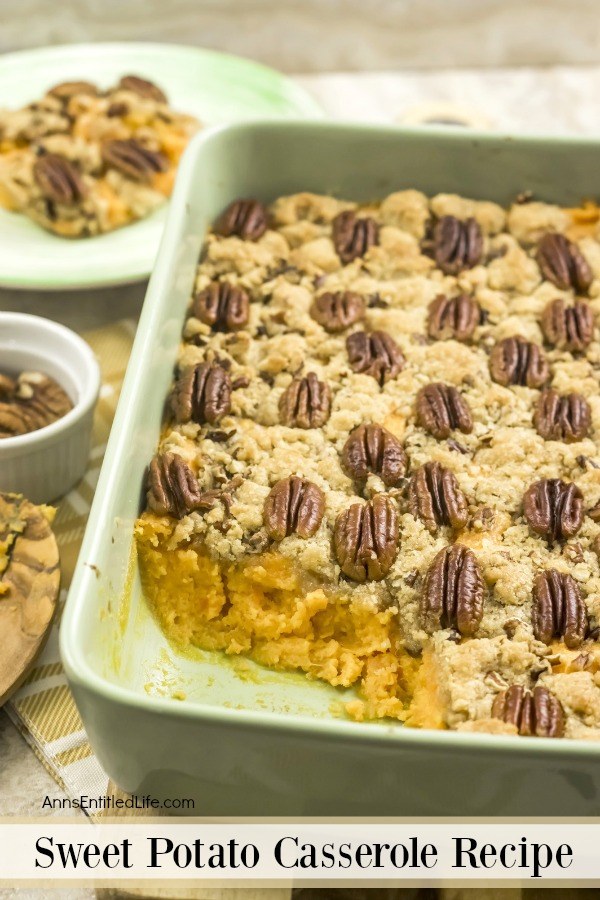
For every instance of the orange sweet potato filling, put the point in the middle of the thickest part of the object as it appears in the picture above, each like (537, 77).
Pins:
(264, 608)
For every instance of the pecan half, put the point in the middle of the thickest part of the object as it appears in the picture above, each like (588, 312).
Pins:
(67, 89)
(202, 394)
(517, 361)
(371, 448)
(441, 410)
(452, 594)
(306, 403)
(435, 497)
(353, 235)
(337, 311)
(453, 317)
(58, 179)
(117, 109)
(536, 713)
(246, 219)
(293, 506)
(553, 508)
(562, 418)
(142, 87)
(133, 160)
(558, 609)
(30, 402)
(457, 244)
(376, 354)
(562, 262)
(365, 539)
(568, 327)
(173, 489)
(223, 306)
(14, 420)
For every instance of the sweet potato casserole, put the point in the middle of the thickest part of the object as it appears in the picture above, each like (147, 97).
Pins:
(380, 463)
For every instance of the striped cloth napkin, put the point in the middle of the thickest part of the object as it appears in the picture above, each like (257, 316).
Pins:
(43, 708)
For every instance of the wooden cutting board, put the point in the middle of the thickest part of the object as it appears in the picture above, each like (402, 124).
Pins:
(29, 584)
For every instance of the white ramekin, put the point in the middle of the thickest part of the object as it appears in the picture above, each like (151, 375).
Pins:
(43, 465)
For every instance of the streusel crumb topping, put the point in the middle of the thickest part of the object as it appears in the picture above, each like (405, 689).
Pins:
(336, 323)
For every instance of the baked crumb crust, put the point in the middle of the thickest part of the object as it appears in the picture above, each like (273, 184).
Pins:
(452, 680)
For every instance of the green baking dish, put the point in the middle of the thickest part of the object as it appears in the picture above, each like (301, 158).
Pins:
(238, 739)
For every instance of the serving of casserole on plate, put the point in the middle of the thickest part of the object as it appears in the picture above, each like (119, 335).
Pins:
(68, 117)
(81, 161)
(378, 468)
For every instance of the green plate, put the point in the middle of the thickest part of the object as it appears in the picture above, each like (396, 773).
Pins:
(214, 87)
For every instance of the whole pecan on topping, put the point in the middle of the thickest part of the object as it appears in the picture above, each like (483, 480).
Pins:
(453, 317)
(223, 306)
(353, 235)
(452, 594)
(58, 179)
(173, 489)
(435, 497)
(246, 219)
(293, 506)
(562, 418)
(133, 159)
(534, 714)
(568, 327)
(457, 244)
(376, 354)
(306, 403)
(562, 262)
(373, 449)
(142, 87)
(558, 609)
(441, 410)
(67, 89)
(337, 311)
(202, 394)
(553, 508)
(517, 361)
(365, 539)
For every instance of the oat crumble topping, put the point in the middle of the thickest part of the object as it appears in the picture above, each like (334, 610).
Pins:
(344, 317)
